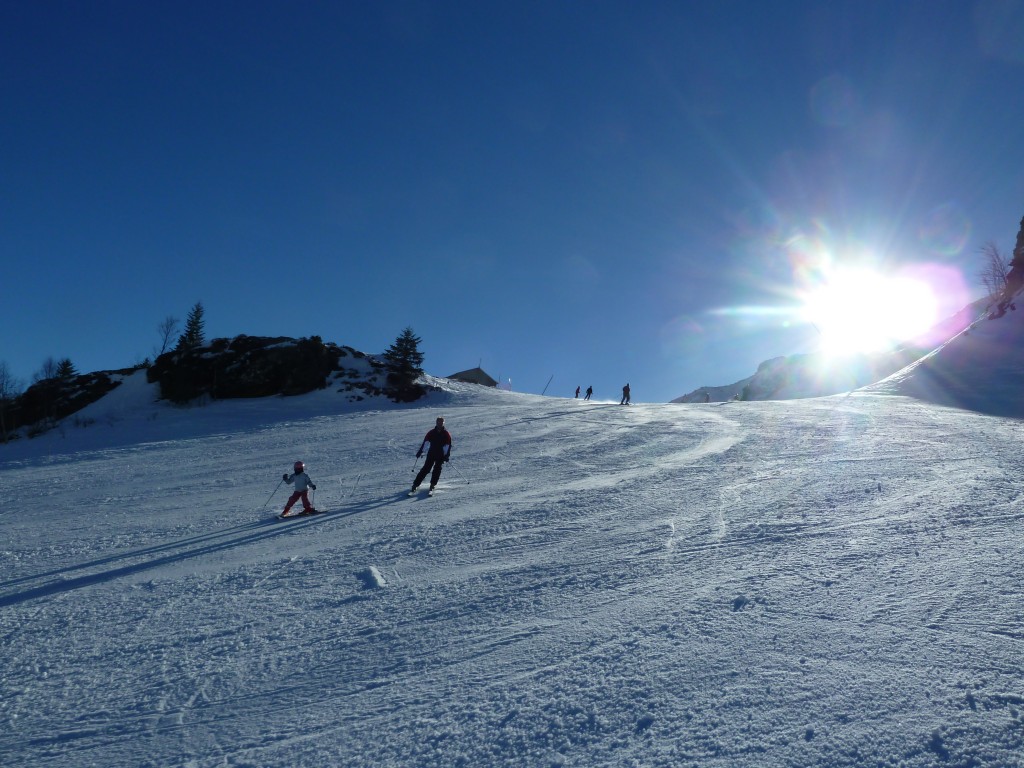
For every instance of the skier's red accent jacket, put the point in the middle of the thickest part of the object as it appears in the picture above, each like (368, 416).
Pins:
(439, 442)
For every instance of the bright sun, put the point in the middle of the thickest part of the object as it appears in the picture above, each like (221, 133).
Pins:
(864, 311)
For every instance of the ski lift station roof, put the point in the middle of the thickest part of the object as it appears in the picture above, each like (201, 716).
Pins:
(474, 376)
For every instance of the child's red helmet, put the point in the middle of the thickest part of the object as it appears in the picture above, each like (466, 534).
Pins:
(300, 467)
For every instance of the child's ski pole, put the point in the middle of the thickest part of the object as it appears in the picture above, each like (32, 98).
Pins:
(271, 495)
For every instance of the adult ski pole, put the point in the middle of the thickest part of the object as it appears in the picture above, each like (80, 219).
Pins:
(460, 472)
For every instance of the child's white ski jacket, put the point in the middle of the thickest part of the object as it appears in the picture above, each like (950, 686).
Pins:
(301, 480)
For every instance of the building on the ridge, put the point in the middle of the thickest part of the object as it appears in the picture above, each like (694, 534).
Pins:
(474, 376)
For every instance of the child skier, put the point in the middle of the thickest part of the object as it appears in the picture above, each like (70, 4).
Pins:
(302, 483)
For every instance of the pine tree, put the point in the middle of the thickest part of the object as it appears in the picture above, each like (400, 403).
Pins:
(193, 337)
(66, 369)
(402, 361)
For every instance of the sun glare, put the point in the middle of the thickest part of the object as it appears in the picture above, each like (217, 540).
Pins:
(865, 311)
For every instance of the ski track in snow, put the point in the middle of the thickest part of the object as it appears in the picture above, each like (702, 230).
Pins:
(830, 582)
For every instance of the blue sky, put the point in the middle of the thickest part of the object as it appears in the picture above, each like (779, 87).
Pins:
(600, 192)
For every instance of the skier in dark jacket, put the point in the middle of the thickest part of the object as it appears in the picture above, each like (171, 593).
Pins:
(625, 395)
(590, 391)
(438, 445)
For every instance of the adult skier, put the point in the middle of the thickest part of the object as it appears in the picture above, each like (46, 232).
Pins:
(438, 445)
(302, 483)
(590, 391)
(625, 395)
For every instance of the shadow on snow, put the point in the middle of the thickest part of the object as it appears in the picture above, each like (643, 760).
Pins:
(174, 552)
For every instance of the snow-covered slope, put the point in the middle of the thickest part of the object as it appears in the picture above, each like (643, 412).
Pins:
(715, 394)
(826, 582)
(981, 369)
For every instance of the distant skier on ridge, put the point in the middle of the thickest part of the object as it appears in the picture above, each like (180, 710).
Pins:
(625, 395)
(438, 445)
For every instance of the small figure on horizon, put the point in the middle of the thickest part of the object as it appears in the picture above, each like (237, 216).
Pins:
(438, 445)
(707, 397)
(625, 395)
(590, 391)
(577, 391)
(302, 484)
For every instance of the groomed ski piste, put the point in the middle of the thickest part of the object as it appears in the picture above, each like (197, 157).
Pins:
(824, 582)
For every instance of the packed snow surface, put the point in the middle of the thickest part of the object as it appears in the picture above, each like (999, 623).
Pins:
(827, 582)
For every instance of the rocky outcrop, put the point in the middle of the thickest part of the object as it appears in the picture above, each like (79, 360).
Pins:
(255, 366)
(48, 401)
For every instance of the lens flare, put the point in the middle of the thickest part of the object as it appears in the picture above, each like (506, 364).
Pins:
(861, 311)
(945, 230)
